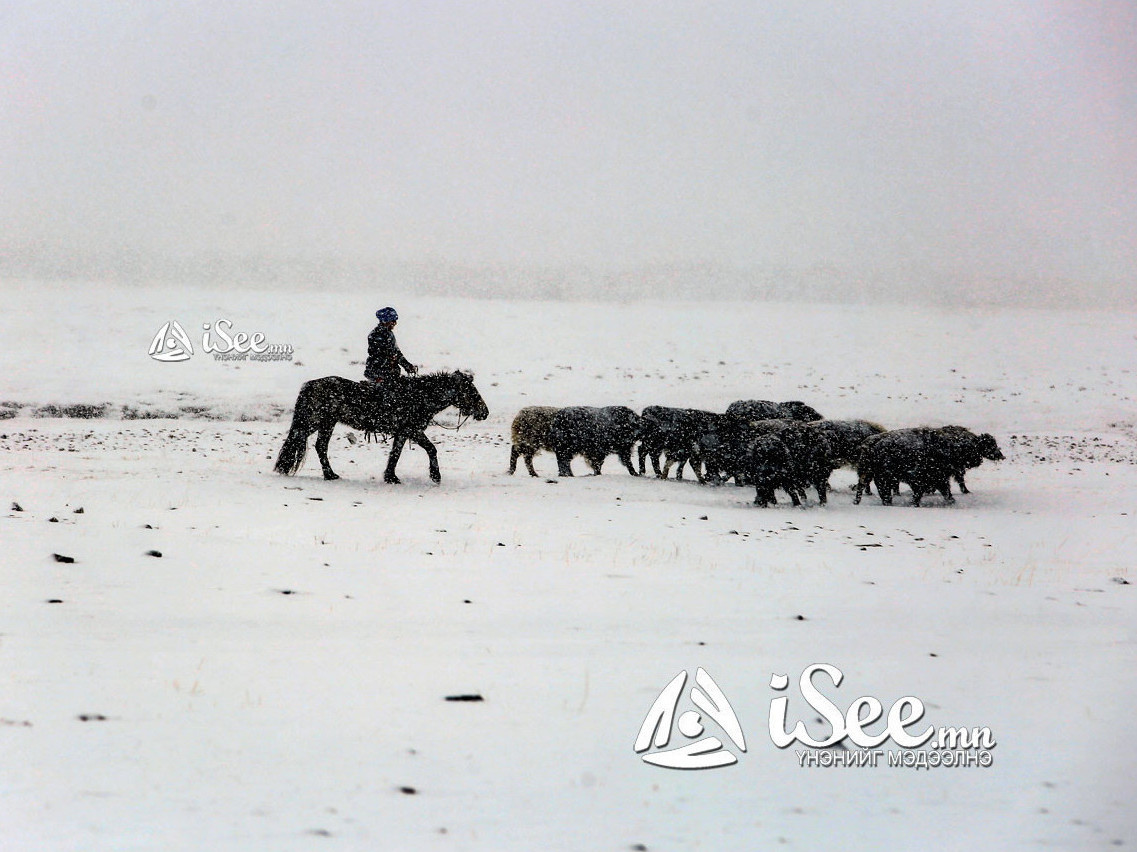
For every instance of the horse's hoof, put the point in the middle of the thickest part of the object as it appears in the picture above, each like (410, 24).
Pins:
(331, 476)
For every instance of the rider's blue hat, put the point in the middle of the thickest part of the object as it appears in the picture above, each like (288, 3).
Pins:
(387, 315)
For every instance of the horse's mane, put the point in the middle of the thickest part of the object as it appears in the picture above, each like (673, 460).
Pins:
(436, 377)
(438, 374)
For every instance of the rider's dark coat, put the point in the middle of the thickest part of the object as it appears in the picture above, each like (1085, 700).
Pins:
(384, 358)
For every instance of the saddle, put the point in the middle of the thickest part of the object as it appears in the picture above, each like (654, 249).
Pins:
(377, 397)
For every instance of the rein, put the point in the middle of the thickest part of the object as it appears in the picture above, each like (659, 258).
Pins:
(461, 421)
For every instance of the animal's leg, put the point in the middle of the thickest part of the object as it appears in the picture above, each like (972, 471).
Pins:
(529, 463)
(649, 451)
(397, 442)
(514, 452)
(431, 454)
(884, 488)
(917, 494)
(596, 462)
(945, 489)
(626, 458)
(962, 484)
(322, 441)
(564, 463)
(697, 467)
(822, 486)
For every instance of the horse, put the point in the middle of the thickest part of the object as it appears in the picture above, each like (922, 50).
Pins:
(401, 408)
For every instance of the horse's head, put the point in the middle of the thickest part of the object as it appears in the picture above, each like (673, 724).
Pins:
(467, 399)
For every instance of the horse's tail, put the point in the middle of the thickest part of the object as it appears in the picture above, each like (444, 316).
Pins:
(296, 444)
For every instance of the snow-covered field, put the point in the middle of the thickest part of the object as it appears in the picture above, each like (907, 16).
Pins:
(278, 677)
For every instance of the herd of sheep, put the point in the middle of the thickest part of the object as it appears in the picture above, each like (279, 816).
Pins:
(771, 446)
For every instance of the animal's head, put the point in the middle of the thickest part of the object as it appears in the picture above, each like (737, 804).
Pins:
(988, 447)
(467, 399)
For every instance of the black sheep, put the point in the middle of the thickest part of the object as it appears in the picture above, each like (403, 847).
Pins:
(594, 433)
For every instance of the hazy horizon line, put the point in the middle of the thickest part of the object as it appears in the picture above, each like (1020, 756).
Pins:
(690, 280)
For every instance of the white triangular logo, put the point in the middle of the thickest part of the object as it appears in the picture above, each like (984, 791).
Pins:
(171, 343)
(705, 753)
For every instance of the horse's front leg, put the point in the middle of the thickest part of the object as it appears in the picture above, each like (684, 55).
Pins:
(322, 441)
(431, 453)
(397, 442)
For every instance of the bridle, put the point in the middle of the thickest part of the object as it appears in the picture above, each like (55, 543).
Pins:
(461, 418)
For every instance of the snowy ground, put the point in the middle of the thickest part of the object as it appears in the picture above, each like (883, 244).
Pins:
(277, 678)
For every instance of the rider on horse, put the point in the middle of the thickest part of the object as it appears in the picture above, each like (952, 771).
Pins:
(384, 358)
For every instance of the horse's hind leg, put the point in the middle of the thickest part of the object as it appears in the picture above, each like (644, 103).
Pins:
(322, 441)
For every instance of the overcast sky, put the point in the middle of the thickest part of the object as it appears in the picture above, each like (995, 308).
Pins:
(953, 140)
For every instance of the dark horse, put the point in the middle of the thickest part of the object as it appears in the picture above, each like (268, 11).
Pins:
(401, 408)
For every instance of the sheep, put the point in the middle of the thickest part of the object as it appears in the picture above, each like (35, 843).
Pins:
(924, 457)
(968, 450)
(845, 438)
(762, 409)
(671, 431)
(530, 432)
(728, 447)
(594, 433)
(769, 465)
